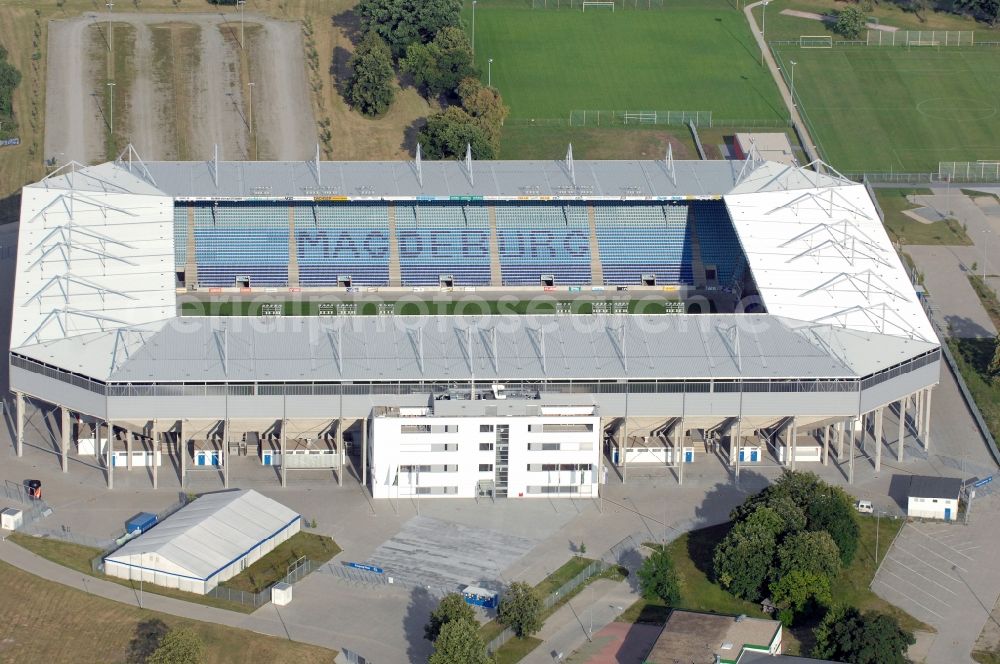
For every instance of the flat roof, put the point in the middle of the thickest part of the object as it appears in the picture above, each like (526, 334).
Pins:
(926, 486)
(695, 638)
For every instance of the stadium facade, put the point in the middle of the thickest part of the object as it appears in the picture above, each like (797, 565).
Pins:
(834, 332)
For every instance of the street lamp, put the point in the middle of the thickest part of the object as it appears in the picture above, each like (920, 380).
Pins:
(792, 76)
(473, 30)
(243, 40)
(763, 22)
(110, 5)
(489, 73)
(986, 255)
(250, 119)
(111, 110)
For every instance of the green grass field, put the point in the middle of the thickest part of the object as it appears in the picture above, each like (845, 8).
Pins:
(693, 56)
(893, 109)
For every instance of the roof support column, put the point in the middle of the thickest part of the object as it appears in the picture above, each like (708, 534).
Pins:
(902, 427)
(111, 453)
(364, 451)
(64, 430)
(679, 450)
(794, 428)
(225, 453)
(154, 435)
(340, 449)
(284, 451)
(19, 423)
(918, 419)
(737, 444)
(841, 425)
(826, 444)
(927, 418)
(182, 449)
(129, 436)
(879, 414)
(853, 441)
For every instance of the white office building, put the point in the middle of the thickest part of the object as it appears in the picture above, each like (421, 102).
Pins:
(468, 448)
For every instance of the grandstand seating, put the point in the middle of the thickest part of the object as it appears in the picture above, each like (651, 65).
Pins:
(543, 239)
(335, 239)
(638, 239)
(442, 238)
(719, 244)
(242, 240)
(180, 235)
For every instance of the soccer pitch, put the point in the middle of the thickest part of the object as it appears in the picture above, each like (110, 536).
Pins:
(689, 56)
(893, 109)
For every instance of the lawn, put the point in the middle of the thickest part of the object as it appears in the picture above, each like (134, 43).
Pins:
(691, 56)
(899, 110)
(94, 629)
(78, 558)
(275, 565)
(973, 358)
(527, 141)
(904, 230)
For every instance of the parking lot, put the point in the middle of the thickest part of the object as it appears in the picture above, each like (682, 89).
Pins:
(944, 574)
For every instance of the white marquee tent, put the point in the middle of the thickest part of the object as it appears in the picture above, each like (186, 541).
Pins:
(206, 542)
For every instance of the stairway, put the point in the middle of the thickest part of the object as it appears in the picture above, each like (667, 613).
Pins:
(293, 254)
(395, 274)
(596, 269)
(697, 266)
(496, 278)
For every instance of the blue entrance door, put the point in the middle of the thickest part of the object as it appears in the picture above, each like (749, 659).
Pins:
(947, 514)
(688, 457)
(753, 456)
(267, 459)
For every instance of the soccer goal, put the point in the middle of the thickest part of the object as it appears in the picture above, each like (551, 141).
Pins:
(815, 41)
(602, 4)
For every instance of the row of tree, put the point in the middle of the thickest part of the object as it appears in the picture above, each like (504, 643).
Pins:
(851, 20)
(425, 41)
(454, 631)
(10, 77)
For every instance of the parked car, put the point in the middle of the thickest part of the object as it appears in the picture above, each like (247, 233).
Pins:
(865, 507)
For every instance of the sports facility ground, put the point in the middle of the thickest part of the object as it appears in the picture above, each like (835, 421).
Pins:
(692, 55)
(899, 109)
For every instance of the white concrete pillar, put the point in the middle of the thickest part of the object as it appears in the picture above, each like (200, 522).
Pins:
(64, 430)
(225, 454)
(878, 438)
(927, 420)
(364, 453)
(794, 433)
(129, 437)
(902, 429)
(111, 452)
(340, 449)
(284, 452)
(841, 426)
(19, 423)
(918, 414)
(852, 440)
(737, 443)
(182, 445)
(826, 444)
(679, 449)
(154, 435)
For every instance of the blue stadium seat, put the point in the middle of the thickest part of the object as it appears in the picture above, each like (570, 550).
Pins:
(443, 239)
(240, 240)
(342, 239)
(543, 239)
(180, 234)
(719, 244)
(638, 239)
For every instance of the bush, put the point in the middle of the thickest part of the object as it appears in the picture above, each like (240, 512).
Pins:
(743, 560)
(658, 578)
(521, 609)
(369, 89)
(459, 642)
(439, 66)
(405, 23)
(452, 607)
(850, 22)
(845, 635)
(447, 134)
(179, 646)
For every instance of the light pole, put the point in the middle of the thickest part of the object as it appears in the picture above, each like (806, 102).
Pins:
(878, 521)
(140, 579)
(473, 30)
(489, 73)
(110, 5)
(243, 41)
(763, 39)
(111, 110)
(792, 76)
(986, 255)
(250, 118)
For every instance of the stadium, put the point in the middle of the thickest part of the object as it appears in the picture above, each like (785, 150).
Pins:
(785, 324)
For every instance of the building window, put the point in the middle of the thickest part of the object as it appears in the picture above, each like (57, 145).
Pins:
(436, 490)
(415, 428)
(557, 488)
(486, 467)
(544, 447)
(485, 428)
(485, 447)
(444, 447)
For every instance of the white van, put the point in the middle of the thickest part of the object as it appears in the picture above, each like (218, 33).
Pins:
(865, 507)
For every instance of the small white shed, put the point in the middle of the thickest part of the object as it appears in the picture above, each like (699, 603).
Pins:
(933, 497)
(208, 541)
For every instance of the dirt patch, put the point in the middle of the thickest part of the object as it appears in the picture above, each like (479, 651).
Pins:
(74, 129)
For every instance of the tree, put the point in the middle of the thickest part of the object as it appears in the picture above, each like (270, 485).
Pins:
(148, 635)
(658, 578)
(452, 607)
(521, 609)
(438, 67)
(984, 10)
(486, 107)
(459, 641)
(742, 561)
(369, 89)
(873, 638)
(795, 590)
(814, 552)
(832, 511)
(447, 134)
(179, 646)
(850, 22)
(10, 77)
(403, 22)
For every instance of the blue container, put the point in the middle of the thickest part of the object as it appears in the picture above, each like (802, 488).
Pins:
(141, 522)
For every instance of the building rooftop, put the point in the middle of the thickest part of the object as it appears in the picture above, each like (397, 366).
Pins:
(925, 486)
(696, 638)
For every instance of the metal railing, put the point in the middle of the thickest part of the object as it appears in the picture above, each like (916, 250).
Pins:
(302, 568)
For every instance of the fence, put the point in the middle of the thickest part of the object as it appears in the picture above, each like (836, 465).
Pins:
(920, 38)
(969, 171)
(300, 570)
(629, 5)
(587, 118)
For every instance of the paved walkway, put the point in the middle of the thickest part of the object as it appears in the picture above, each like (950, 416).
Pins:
(827, 18)
(810, 144)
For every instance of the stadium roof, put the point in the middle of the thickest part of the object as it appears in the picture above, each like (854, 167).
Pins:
(551, 347)
(208, 534)
(403, 180)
